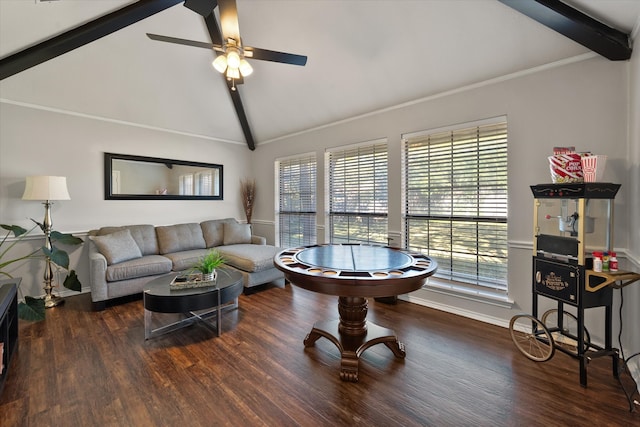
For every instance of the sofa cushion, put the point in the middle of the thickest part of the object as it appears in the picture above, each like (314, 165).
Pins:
(149, 265)
(249, 257)
(117, 247)
(179, 237)
(213, 231)
(236, 233)
(143, 234)
(185, 260)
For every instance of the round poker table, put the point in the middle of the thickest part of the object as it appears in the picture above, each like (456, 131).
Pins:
(354, 272)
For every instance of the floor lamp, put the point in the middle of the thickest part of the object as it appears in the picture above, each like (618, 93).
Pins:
(47, 188)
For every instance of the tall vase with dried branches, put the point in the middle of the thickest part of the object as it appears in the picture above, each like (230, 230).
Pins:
(248, 189)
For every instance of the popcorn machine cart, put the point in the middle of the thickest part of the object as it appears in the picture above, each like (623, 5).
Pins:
(568, 219)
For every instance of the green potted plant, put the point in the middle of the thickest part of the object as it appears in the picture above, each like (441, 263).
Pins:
(34, 308)
(207, 265)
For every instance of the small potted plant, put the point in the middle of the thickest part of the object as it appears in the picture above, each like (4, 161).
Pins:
(208, 264)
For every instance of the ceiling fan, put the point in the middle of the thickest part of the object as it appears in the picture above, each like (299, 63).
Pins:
(141, 9)
(231, 54)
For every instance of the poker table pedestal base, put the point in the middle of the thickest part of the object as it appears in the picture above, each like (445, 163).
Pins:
(352, 334)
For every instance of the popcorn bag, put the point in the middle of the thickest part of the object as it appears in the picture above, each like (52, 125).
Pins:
(593, 167)
(566, 168)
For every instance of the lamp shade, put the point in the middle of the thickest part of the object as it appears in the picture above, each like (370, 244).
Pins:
(245, 68)
(46, 188)
(233, 73)
(220, 63)
(233, 58)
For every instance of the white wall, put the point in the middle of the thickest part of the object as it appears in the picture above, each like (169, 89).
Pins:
(632, 293)
(39, 142)
(584, 104)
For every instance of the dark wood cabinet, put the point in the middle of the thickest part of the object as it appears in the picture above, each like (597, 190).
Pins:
(8, 325)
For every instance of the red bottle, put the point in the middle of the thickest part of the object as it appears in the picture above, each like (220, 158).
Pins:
(613, 262)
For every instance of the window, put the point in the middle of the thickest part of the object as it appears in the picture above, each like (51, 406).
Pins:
(186, 185)
(357, 193)
(203, 184)
(296, 216)
(455, 201)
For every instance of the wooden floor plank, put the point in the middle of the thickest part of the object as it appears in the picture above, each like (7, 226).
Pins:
(81, 367)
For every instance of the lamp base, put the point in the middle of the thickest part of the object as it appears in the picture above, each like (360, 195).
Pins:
(52, 301)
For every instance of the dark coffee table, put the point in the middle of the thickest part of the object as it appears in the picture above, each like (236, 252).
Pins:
(196, 304)
(354, 272)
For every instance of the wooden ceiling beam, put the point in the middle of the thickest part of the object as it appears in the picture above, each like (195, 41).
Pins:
(81, 35)
(591, 33)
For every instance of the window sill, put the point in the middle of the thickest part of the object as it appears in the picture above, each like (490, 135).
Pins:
(496, 298)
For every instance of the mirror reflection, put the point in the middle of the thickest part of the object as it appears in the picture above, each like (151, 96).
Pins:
(142, 178)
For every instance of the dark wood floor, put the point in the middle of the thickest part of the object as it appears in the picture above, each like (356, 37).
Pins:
(84, 368)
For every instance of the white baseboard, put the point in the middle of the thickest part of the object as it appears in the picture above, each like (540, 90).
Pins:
(456, 310)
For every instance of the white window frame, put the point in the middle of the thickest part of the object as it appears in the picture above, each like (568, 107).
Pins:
(308, 216)
(491, 267)
(370, 218)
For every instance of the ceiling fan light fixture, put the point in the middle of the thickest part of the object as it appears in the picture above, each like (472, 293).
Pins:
(220, 63)
(245, 68)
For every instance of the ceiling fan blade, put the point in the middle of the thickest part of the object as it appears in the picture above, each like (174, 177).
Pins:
(274, 56)
(229, 20)
(201, 7)
(185, 42)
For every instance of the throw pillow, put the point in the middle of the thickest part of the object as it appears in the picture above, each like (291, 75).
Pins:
(143, 234)
(179, 237)
(117, 247)
(235, 234)
(213, 231)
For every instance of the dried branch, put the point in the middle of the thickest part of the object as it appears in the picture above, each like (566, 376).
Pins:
(248, 190)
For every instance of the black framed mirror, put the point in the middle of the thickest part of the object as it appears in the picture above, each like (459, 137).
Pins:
(129, 177)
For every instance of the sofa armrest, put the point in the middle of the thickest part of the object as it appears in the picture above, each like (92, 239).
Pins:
(97, 274)
(258, 240)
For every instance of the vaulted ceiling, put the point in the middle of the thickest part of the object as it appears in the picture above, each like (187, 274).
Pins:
(363, 56)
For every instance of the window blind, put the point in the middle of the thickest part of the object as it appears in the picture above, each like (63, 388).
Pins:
(357, 193)
(297, 201)
(203, 184)
(455, 193)
(186, 185)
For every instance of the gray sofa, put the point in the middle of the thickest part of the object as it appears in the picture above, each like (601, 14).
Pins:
(123, 259)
